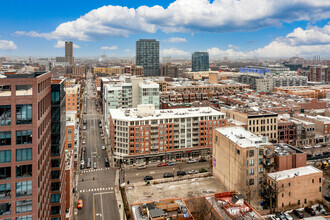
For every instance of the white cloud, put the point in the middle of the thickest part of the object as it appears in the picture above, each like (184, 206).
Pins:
(233, 46)
(176, 40)
(187, 16)
(173, 52)
(109, 48)
(61, 44)
(127, 50)
(7, 45)
(313, 40)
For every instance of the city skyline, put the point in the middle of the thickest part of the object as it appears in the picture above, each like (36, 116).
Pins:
(220, 27)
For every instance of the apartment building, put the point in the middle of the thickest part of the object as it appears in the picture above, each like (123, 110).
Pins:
(170, 70)
(69, 177)
(58, 112)
(258, 121)
(305, 132)
(200, 61)
(146, 134)
(147, 55)
(128, 93)
(72, 133)
(322, 123)
(296, 187)
(115, 70)
(286, 131)
(25, 140)
(134, 70)
(288, 157)
(241, 159)
(73, 97)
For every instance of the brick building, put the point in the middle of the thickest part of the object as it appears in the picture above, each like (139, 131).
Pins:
(288, 157)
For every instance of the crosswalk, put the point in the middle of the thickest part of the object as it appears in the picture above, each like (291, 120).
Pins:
(93, 170)
(106, 189)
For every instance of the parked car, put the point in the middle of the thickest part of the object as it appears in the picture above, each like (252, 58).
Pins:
(192, 172)
(80, 204)
(202, 160)
(100, 125)
(280, 215)
(95, 165)
(85, 121)
(106, 161)
(298, 213)
(89, 163)
(168, 175)
(147, 178)
(274, 218)
(103, 147)
(309, 210)
(288, 217)
(141, 167)
(321, 209)
(82, 166)
(181, 173)
(83, 148)
(171, 164)
(162, 164)
(83, 142)
(97, 109)
(84, 128)
(191, 161)
(202, 170)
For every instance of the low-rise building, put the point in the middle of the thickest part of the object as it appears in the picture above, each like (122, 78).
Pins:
(241, 159)
(72, 133)
(146, 134)
(296, 187)
(116, 70)
(288, 157)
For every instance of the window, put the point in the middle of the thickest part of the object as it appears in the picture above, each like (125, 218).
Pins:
(69, 131)
(5, 172)
(305, 201)
(298, 202)
(5, 191)
(261, 152)
(23, 90)
(289, 193)
(24, 188)
(55, 174)
(251, 153)
(251, 182)
(24, 114)
(55, 186)
(251, 162)
(251, 171)
(5, 115)
(238, 151)
(25, 217)
(5, 156)
(55, 210)
(260, 161)
(24, 137)
(24, 154)
(282, 194)
(312, 180)
(261, 169)
(5, 138)
(55, 198)
(55, 162)
(5, 208)
(320, 180)
(320, 189)
(69, 145)
(24, 206)
(24, 171)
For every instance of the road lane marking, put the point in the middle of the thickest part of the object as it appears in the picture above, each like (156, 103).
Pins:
(102, 206)
(152, 172)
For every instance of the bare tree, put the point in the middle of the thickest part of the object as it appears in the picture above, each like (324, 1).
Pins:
(201, 208)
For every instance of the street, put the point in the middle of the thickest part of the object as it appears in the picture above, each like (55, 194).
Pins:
(133, 175)
(95, 185)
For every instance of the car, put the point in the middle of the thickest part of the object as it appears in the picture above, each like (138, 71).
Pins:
(82, 166)
(103, 147)
(274, 218)
(162, 164)
(102, 137)
(147, 178)
(95, 165)
(202, 160)
(309, 210)
(168, 175)
(317, 155)
(191, 161)
(181, 173)
(106, 162)
(192, 172)
(171, 164)
(141, 167)
(80, 204)
(298, 213)
(83, 142)
(97, 110)
(85, 121)
(280, 215)
(84, 128)
(89, 164)
(96, 103)
(100, 125)
(202, 170)
(83, 148)
(288, 217)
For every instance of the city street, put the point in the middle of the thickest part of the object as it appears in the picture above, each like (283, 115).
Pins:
(96, 185)
(133, 175)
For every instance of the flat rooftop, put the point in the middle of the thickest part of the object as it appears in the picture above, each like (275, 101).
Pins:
(281, 175)
(243, 137)
(132, 114)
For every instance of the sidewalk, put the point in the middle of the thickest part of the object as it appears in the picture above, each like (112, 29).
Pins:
(119, 199)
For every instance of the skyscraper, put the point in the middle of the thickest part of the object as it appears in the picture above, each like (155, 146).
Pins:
(69, 52)
(147, 55)
(25, 140)
(200, 61)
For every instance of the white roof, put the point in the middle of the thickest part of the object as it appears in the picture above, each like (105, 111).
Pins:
(163, 114)
(281, 175)
(243, 137)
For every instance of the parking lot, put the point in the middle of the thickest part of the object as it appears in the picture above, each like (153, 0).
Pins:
(179, 189)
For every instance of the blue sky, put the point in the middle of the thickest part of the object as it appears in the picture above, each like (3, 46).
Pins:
(232, 28)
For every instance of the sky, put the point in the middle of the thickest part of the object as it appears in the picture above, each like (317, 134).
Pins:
(232, 28)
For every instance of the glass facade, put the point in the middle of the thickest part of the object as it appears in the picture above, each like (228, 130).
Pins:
(55, 198)
(147, 55)
(24, 114)
(5, 115)
(5, 156)
(5, 191)
(25, 217)
(200, 61)
(24, 188)
(24, 206)
(24, 154)
(5, 138)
